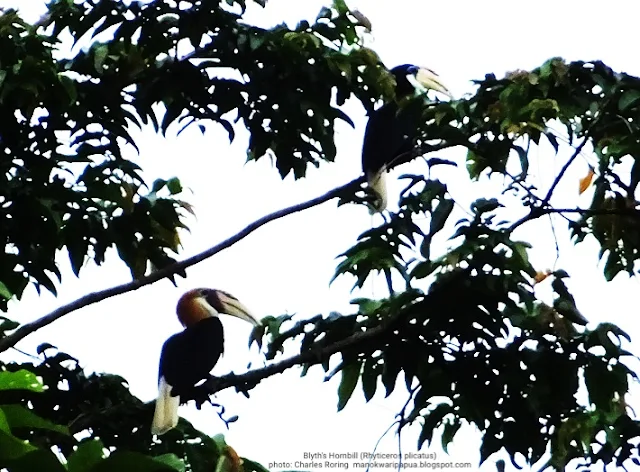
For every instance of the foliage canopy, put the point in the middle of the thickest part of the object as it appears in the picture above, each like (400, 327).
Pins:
(474, 342)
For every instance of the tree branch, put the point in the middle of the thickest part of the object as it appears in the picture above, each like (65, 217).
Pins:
(538, 212)
(95, 297)
(576, 153)
(567, 164)
(250, 379)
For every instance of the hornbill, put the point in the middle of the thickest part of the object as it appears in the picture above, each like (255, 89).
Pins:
(188, 357)
(390, 133)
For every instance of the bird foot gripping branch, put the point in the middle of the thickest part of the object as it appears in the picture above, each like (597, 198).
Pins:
(391, 134)
(188, 357)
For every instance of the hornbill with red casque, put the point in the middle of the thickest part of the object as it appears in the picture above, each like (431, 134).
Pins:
(189, 356)
(390, 134)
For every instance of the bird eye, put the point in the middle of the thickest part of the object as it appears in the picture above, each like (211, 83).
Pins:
(413, 70)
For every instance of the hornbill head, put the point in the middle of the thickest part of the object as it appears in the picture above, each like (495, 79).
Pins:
(410, 77)
(201, 303)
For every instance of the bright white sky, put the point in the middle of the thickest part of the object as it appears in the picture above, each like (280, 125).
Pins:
(286, 266)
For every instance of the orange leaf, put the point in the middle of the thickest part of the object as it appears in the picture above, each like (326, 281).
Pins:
(586, 180)
(540, 276)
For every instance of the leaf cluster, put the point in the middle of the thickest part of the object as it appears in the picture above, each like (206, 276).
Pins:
(478, 347)
(67, 119)
(473, 341)
(52, 411)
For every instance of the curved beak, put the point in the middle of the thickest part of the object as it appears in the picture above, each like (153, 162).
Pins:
(426, 79)
(231, 306)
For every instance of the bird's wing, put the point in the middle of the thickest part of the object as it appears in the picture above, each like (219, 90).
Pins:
(389, 134)
(172, 357)
(189, 356)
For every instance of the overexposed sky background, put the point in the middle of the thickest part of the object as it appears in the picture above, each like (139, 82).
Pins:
(286, 266)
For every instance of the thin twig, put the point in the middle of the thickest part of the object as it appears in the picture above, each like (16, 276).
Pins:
(375, 448)
(95, 297)
(576, 153)
(538, 212)
(555, 240)
(26, 353)
(566, 165)
(402, 421)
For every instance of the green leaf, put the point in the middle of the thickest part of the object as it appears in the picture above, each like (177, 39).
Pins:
(100, 53)
(86, 456)
(390, 371)
(350, 376)
(524, 159)
(77, 252)
(440, 215)
(450, 430)
(173, 461)
(174, 186)
(20, 417)
(552, 140)
(483, 205)
(611, 328)
(597, 378)
(132, 462)
(520, 248)
(613, 266)
(7, 325)
(36, 460)
(70, 87)
(20, 380)
(432, 420)
(367, 306)
(158, 185)
(4, 425)
(475, 164)
(628, 99)
(369, 378)
(11, 448)
(423, 269)
(5, 292)
(436, 161)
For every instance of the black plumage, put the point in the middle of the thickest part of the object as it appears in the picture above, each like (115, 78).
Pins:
(391, 131)
(189, 356)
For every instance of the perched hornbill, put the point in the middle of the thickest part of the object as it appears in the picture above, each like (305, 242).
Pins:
(188, 357)
(390, 133)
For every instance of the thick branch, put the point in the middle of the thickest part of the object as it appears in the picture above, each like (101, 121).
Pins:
(95, 297)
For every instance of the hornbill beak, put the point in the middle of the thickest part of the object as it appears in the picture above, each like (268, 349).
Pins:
(425, 79)
(226, 303)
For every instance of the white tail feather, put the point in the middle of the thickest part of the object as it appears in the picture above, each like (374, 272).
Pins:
(378, 183)
(165, 417)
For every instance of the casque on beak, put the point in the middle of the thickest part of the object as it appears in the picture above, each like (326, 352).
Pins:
(232, 307)
(426, 79)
